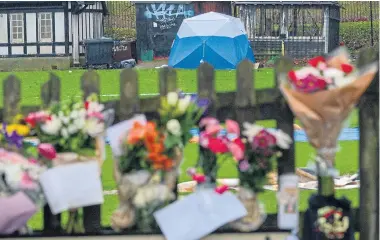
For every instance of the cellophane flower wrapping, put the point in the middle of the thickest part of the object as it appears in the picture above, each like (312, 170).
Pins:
(75, 130)
(321, 96)
(20, 193)
(262, 147)
(146, 172)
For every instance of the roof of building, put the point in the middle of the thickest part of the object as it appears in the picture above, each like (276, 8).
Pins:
(335, 3)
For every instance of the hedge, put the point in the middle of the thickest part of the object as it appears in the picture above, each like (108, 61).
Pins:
(120, 33)
(357, 35)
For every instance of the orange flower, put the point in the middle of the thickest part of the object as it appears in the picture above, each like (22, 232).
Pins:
(136, 133)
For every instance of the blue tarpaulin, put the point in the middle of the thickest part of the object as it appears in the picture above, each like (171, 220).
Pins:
(215, 38)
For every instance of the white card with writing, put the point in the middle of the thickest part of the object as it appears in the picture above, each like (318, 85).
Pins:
(114, 132)
(287, 196)
(199, 214)
(72, 186)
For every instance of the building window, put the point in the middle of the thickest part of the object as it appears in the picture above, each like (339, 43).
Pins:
(45, 25)
(17, 27)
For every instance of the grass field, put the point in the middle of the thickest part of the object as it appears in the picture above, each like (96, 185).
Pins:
(347, 158)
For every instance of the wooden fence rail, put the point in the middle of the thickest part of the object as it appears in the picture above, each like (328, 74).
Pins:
(246, 104)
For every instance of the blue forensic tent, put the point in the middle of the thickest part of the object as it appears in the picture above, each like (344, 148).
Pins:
(215, 38)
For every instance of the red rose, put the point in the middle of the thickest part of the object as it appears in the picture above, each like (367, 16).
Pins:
(315, 61)
(347, 68)
(217, 145)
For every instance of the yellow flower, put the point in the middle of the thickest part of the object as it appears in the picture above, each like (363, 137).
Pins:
(22, 130)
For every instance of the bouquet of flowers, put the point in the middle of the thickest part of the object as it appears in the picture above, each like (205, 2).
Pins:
(216, 144)
(147, 169)
(263, 146)
(20, 192)
(75, 130)
(322, 95)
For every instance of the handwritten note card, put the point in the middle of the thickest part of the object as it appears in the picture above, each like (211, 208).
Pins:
(198, 214)
(115, 132)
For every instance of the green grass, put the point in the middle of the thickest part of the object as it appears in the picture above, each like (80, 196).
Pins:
(347, 158)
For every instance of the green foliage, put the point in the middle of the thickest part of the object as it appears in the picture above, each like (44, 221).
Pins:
(357, 35)
(120, 33)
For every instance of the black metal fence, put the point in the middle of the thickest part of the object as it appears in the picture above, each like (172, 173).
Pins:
(300, 29)
(359, 27)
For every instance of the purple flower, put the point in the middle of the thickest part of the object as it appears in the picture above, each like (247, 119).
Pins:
(244, 165)
(13, 139)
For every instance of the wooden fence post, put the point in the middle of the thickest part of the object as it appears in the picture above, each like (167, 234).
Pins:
(284, 119)
(50, 92)
(168, 81)
(369, 153)
(11, 98)
(206, 89)
(90, 83)
(129, 94)
(245, 92)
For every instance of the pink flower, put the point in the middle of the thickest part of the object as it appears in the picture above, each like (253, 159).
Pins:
(213, 129)
(244, 165)
(236, 151)
(263, 140)
(97, 115)
(221, 189)
(203, 140)
(233, 127)
(33, 161)
(191, 171)
(199, 178)
(37, 117)
(47, 150)
(310, 84)
(208, 121)
(27, 182)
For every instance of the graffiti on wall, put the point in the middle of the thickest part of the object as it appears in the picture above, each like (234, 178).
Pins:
(165, 16)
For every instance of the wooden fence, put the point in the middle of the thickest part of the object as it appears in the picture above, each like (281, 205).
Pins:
(246, 104)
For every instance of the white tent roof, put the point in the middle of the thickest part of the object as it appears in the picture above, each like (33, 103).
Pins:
(211, 24)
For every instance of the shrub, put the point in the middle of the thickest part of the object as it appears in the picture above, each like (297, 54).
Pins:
(357, 35)
(120, 33)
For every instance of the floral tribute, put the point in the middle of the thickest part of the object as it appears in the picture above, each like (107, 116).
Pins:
(332, 222)
(254, 150)
(20, 192)
(148, 167)
(72, 125)
(322, 95)
(75, 131)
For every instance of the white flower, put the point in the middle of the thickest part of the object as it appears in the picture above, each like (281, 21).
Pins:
(65, 133)
(74, 114)
(251, 130)
(80, 122)
(184, 103)
(172, 98)
(94, 107)
(82, 113)
(94, 127)
(283, 140)
(305, 71)
(174, 127)
(72, 128)
(53, 126)
(13, 174)
(333, 73)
